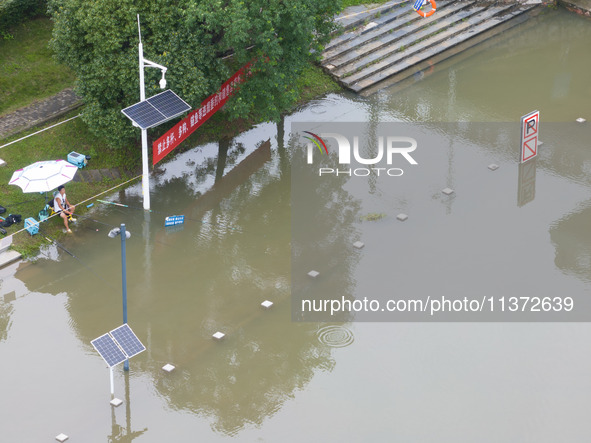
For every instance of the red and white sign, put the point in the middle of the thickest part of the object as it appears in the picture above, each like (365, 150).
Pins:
(177, 134)
(530, 128)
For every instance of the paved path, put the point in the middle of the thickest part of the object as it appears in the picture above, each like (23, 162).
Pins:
(39, 112)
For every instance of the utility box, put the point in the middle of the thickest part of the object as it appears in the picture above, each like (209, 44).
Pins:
(31, 225)
(77, 159)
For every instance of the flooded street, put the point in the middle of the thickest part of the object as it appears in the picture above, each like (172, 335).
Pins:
(511, 231)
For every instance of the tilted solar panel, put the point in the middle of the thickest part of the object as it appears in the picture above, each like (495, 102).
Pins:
(144, 114)
(109, 350)
(169, 104)
(156, 110)
(127, 340)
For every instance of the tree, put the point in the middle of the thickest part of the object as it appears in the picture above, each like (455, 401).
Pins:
(98, 40)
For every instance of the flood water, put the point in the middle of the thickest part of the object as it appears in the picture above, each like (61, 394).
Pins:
(272, 379)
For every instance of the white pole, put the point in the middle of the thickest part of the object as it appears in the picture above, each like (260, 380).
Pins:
(145, 170)
(112, 381)
(145, 176)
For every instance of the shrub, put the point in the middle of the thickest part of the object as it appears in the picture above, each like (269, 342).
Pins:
(12, 12)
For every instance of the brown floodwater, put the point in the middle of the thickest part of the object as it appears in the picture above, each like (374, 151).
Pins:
(272, 379)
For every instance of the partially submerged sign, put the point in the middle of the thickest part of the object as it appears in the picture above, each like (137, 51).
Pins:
(174, 220)
(530, 128)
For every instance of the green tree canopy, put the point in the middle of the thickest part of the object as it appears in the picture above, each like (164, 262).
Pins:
(98, 39)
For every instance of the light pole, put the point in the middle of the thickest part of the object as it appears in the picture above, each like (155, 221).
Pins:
(143, 64)
(124, 235)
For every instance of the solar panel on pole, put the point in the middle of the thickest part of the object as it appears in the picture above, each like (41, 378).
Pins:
(128, 341)
(169, 104)
(156, 110)
(108, 350)
(144, 114)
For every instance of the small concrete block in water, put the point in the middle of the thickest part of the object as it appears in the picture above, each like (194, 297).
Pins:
(402, 217)
(358, 245)
(2, 162)
(116, 402)
(168, 367)
(540, 143)
(267, 304)
(313, 274)
(581, 120)
(218, 335)
(447, 191)
(61, 438)
(493, 167)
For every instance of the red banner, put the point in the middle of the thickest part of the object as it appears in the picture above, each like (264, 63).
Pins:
(177, 134)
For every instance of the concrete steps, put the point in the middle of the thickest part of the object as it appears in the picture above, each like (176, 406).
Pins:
(365, 28)
(381, 36)
(398, 39)
(357, 16)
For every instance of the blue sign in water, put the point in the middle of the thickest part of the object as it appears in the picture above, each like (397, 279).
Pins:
(174, 220)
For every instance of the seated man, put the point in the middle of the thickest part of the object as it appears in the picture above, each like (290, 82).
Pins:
(62, 206)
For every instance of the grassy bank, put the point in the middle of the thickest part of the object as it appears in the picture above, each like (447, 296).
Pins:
(57, 142)
(27, 70)
(52, 144)
(27, 73)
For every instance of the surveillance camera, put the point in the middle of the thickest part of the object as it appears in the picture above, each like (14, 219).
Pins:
(162, 83)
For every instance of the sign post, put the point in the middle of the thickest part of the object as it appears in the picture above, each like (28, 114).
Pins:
(530, 129)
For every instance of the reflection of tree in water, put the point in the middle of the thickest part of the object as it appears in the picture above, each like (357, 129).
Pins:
(226, 266)
(265, 357)
(18, 289)
(5, 313)
(323, 214)
(573, 245)
(228, 154)
(250, 376)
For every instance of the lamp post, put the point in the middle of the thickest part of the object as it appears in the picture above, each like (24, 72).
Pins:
(149, 64)
(124, 235)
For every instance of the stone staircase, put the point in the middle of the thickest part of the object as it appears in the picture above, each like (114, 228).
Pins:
(392, 41)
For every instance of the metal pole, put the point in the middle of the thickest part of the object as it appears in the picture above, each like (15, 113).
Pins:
(145, 170)
(112, 382)
(124, 282)
(141, 51)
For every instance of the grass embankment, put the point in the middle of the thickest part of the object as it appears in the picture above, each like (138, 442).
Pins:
(27, 70)
(34, 76)
(52, 144)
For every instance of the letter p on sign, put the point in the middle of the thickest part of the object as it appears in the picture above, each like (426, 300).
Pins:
(530, 128)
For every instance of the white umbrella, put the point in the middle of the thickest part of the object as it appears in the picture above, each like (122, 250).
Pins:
(43, 176)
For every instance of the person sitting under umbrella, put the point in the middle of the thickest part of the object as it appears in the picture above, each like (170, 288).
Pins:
(62, 206)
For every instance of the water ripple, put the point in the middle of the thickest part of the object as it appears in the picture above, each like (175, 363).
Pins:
(335, 336)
